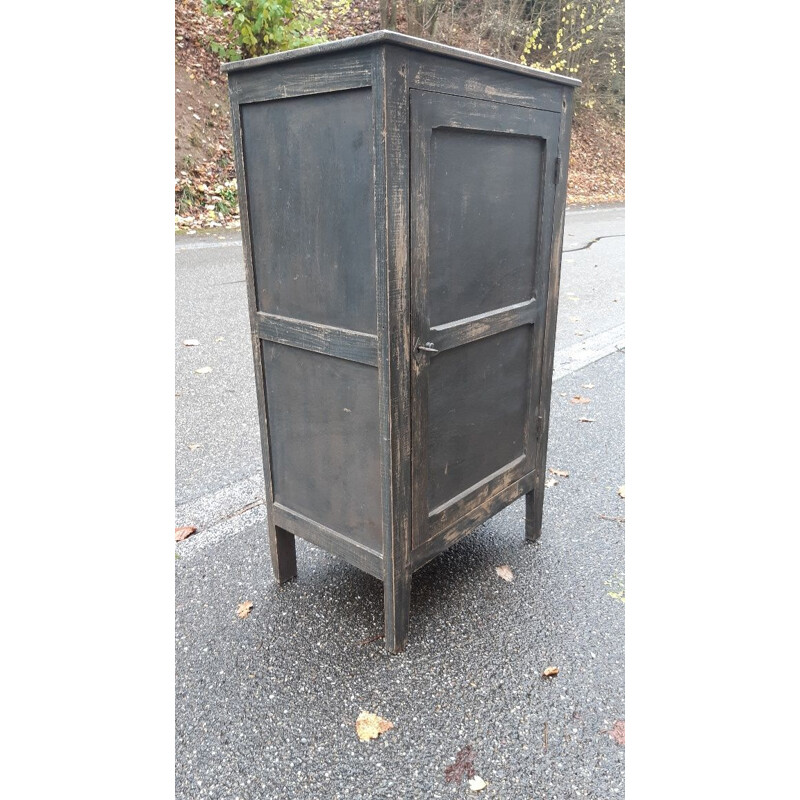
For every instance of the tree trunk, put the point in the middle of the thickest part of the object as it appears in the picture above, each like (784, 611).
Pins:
(388, 14)
(413, 21)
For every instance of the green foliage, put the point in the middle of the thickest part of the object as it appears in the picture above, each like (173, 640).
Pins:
(187, 197)
(226, 201)
(259, 27)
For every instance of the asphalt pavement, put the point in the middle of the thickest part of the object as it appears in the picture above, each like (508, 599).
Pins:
(266, 705)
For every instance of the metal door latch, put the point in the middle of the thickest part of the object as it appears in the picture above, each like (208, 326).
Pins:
(420, 348)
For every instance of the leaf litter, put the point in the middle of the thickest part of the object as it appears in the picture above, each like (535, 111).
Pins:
(617, 732)
(371, 726)
(504, 572)
(464, 766)
(550, 672)
(184, 532)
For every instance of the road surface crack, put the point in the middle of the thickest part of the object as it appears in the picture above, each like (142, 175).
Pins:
(595, 241)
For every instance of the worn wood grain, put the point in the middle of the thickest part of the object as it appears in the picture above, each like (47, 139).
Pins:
(535, 504)
(354, 553)
(310, 185)
(306, 77)
(453, 56)
(477, 401)
(395, 192)
(392, 125)
(435, 73)
(477, 259)
(464, 525)
(284, 565)
(324, 440)
(325, 339)
(283, 561)
(480, 326)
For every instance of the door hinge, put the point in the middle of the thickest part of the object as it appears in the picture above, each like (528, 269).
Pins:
(539, 426)
(557, 174)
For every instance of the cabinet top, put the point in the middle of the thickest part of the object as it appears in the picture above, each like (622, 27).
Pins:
(393, 37)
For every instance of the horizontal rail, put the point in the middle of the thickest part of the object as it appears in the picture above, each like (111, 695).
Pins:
(332, 541)
(463, 331)
(325, 339)
(458, 528)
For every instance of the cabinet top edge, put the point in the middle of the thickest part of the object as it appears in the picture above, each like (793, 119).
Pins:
(403, 40)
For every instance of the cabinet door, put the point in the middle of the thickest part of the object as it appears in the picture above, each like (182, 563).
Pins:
(483, 178)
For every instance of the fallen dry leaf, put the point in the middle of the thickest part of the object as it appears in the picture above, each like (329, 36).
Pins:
(617, 733)
(203, 370)
(550, 483)
(184, 532)
(190, 342)
(550, 672)
(505, 572)
(464, 766)
(371, 639)
(370, 726)
(578, 400)
(477, 784)
(562, 473)
(586, 419)
(243, 609)
(621, 491)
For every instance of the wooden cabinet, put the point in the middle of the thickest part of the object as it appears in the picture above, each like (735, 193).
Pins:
(402, 209)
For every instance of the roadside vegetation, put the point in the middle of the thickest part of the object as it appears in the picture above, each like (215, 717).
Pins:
(577, 38)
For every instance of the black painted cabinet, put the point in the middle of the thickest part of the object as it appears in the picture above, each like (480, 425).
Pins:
(402, 210)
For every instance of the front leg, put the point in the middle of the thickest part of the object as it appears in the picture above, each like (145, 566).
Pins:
(284, 554)
(534, 504)
(396, 610)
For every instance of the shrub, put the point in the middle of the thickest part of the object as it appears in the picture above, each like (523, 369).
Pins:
(259, 27)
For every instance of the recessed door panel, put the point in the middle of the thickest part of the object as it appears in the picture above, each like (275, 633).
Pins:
(482, 176)
(477, 397)
(484, 215)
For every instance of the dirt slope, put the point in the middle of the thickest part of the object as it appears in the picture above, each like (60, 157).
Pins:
(205, 185)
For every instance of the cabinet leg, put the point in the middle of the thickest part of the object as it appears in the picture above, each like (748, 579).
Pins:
(534, 502)
(284, 555)
(396, 608)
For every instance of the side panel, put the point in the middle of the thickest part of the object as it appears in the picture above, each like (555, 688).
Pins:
(308, 203)
(309, 171)
(323, 418)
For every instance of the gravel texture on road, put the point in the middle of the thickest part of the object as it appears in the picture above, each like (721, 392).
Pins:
(266, 706)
